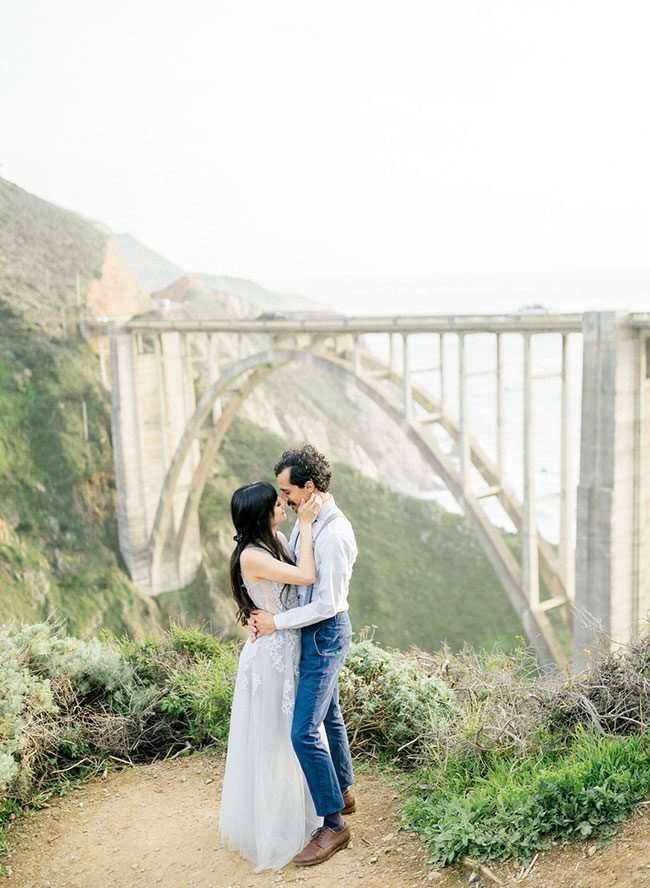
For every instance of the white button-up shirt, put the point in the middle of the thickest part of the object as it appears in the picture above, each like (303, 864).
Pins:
(335, 551)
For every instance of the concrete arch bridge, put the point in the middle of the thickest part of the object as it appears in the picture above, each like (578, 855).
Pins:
(598, 576)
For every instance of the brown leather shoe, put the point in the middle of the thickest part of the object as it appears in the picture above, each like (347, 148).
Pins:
(349, 801)
(324, 843)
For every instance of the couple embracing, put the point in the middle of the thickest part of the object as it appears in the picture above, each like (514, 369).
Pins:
(288, 776)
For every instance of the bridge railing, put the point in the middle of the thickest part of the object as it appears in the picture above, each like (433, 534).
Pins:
(466, 323)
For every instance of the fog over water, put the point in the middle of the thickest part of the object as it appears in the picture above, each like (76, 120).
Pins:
(467, 292)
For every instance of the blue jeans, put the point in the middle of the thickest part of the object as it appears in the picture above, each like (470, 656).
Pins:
(325, 646)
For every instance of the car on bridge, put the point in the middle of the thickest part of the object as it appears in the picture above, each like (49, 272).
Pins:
(298, 315)
(535, 308)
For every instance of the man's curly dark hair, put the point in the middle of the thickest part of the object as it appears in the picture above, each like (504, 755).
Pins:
(306, 464)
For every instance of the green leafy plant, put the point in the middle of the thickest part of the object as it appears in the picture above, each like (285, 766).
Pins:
(201, 697)
(514, 807)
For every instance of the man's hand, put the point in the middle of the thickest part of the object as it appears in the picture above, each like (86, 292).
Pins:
(262, 623)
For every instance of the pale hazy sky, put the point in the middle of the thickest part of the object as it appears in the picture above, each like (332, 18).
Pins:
(287, 139)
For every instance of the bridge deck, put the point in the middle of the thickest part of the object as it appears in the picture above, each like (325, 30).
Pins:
(469, 323)
(342, 324)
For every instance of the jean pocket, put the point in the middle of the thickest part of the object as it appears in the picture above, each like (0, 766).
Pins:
(327, 641)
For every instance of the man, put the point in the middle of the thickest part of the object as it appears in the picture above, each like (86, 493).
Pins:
(326, 634)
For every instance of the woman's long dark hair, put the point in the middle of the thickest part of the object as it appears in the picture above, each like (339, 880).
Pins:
(251, 508)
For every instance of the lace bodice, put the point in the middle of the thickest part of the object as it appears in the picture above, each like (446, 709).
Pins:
(271, 596)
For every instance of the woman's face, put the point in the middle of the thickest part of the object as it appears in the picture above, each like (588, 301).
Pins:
(279, 514)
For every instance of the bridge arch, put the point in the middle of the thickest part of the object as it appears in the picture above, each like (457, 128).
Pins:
(248, 373)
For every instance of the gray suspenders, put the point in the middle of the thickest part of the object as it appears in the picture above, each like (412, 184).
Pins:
(319, 529)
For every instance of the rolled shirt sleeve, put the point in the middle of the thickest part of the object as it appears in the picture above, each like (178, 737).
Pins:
(335, 553)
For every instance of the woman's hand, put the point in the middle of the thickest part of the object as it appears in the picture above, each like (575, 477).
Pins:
(308, 511)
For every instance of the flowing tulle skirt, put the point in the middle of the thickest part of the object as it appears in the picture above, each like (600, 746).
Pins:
(267, 812)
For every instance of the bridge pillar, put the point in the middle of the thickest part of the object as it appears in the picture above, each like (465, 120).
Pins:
(464, 460)
(391, 353)
(642, 486)
(213, 371)
(153, 398)
(407, 392)
(356, 356)
(131, 510)
(607, 539)
(442, 372)
(500, 409)
(179, 402)
(529, 541)
(567, 477)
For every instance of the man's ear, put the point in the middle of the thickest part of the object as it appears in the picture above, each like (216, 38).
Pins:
(310, 487)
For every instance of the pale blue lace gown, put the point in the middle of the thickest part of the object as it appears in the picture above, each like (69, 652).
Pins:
(267, 812)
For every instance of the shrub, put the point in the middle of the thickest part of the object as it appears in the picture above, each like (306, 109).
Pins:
(72, 703)
(194, 642)
(501, 698)
(531, 757)
(391, 706)
(42, 650)
(613, 697)
(200, 697)
(24, 697)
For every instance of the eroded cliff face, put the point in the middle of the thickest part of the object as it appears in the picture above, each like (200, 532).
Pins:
(190, 297)
(116, 293)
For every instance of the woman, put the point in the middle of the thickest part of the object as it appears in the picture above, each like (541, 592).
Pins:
(267, 813)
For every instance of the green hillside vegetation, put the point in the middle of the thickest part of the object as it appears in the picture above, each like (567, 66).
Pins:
(493, 758)
(42, 250)
(58, 536)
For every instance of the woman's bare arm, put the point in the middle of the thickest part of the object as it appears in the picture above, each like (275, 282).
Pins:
(261, 565)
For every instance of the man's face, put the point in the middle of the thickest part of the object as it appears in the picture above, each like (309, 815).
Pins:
(290, 493)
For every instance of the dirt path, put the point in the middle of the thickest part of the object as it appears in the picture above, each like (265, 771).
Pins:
(155, 826)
